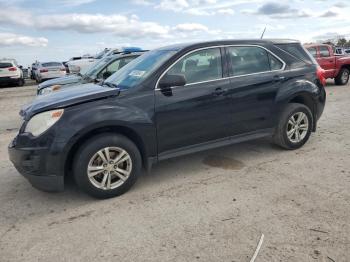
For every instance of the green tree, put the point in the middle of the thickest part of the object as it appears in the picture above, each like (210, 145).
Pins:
(342, 42)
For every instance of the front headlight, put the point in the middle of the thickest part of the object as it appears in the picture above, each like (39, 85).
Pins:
(50, 89)
(39, 123)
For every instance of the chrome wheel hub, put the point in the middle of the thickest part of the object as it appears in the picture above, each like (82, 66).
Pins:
(109, 168)
(297, 127)
(345, 76)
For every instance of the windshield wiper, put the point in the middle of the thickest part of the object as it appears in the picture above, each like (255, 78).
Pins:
(109, 84)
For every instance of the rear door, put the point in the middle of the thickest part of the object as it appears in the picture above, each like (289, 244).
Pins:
(198, 112)
(256, 74)
(327, 61)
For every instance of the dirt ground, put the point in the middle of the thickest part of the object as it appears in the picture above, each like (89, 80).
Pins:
(210, 206)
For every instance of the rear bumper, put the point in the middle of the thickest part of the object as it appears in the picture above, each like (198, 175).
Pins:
(32, 163)
(9, 80)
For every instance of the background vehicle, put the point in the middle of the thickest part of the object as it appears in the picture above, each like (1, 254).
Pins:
(97, 73)
(341, 51)
(335, 66)
(10, 73)
(82, 65)
(169, 102)
(79, 65)
(49, 70)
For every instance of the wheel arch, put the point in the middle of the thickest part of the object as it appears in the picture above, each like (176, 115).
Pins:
(111, 129)
(306, 99)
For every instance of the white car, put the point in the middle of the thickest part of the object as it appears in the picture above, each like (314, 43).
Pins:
(49, 70)
(10, 73)
(80, 65)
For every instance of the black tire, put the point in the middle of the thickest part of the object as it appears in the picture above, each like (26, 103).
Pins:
(281, 138)
(20, 82)
(343, 77)
(90, 148)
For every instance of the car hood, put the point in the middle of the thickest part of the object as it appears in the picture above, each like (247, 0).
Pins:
(60, 81)
(67, 97)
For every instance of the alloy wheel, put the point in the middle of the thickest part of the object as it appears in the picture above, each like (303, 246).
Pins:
(109, 168)
(297, 127)
(345, 76)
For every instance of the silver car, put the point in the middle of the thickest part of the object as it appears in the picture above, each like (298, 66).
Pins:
(49, 70)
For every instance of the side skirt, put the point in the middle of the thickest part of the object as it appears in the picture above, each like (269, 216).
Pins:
(215, 143)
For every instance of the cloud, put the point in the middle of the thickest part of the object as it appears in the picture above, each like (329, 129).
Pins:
(9, 39)
(340, 5)
(173, 5)
(142, 2)
(190, 27)
(279, 11)
(72, 3)
(130, 26)
(329, 13)
(226, 11)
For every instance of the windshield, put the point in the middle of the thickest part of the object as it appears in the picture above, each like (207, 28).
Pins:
(95, 68)
(139, 69)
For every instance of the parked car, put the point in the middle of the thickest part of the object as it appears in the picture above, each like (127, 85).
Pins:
(337, 67)
(82, 65)
(10, 73)
(97, 73)
(77, 65)
(169, 102)
(49, 70)
(32, 70)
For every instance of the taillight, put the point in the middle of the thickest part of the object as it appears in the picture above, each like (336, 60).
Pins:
(321, 75)
(12, 69)
(44, 70)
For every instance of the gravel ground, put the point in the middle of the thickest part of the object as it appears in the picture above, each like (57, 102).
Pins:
(210, 206)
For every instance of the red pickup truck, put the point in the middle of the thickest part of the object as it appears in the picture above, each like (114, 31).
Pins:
(335, 66)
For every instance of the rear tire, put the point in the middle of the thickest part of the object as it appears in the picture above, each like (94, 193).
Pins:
(343, 77)
(96, 164)
(20, 82)
(294, 127)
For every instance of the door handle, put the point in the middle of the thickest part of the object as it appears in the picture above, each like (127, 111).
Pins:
(219, 91)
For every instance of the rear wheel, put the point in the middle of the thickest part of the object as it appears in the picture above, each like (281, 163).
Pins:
(20, 82)
(294, 127)
(343, 77)
(107, 165)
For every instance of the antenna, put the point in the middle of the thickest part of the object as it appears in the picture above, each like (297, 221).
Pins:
(262, 35)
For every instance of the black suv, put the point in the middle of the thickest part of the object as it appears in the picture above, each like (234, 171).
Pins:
(169, 102)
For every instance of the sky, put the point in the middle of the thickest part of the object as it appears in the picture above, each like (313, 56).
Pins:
(56, 30)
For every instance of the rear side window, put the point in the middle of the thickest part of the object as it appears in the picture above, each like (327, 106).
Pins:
(275, 64)
(199, 66)
(312, 51)
(5, 65)
(324, 51)
(296, 50)
(51, 64)
(246, 60)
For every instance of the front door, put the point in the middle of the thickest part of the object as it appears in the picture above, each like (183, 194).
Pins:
(197, 112)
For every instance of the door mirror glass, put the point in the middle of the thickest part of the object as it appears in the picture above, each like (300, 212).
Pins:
(168, 81)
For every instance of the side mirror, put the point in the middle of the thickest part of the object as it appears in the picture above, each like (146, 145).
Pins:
(172, 80)
(106, 74)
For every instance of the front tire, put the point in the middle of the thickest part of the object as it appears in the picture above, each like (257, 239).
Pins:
(343, 77)
(294, 127)
(107, 165)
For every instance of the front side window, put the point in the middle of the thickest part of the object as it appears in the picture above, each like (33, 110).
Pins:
(199, 66)
(245, 60)
(324, 51)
